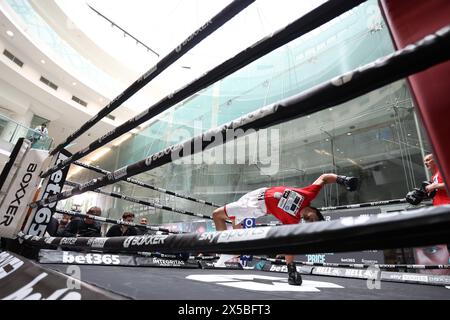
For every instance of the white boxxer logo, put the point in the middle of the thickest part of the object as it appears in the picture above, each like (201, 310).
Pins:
(144, 240)
(19, 194)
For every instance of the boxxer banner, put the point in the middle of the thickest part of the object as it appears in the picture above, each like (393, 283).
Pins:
(21, 190)
(53, 184)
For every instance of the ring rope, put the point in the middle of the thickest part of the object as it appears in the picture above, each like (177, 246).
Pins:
(365, 204)
(145, 203)
(420, 227)
(308, 22)
(431, 50)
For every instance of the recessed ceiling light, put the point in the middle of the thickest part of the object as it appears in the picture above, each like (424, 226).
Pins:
(331, 109)
(42, 61)
(10, 33)
(349, 133)
(74, 83)
(100, 99)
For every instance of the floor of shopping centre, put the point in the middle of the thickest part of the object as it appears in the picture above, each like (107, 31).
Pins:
(191, 284)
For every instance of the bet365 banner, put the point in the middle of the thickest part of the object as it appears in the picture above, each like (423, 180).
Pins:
(53, 184)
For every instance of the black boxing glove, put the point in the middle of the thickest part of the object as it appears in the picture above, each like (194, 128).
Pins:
(415, 196)
(350, 183)
(431, 194)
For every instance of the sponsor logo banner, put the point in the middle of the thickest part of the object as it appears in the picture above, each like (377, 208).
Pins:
(228, 265)
(72, 257)
(164, 262)
(53, 184)
(364, 257)
(415, 278)
(23, 187)
(32, 282)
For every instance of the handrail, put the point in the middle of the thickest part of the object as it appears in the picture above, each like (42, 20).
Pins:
(34, 131)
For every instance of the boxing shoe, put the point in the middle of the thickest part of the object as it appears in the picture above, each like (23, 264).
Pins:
(350, 183)
(294, 278)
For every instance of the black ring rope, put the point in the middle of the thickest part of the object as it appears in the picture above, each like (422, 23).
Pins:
(310, 21)
(364, 205)
(144, 202)
(196, 37)
(431, 50)
(420, 227)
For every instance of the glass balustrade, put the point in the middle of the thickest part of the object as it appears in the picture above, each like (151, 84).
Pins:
(11, 131)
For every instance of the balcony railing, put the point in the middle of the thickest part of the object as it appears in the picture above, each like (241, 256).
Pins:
(11, 131)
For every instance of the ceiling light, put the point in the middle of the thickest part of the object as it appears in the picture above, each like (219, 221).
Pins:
(10, 33)
(331, 109)
(100, 99)
(349, 133)
(42, 61)
(74, 83)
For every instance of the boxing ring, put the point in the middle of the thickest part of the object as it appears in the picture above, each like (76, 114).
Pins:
(151, 266)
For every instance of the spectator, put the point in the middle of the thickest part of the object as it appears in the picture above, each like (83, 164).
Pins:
(437, 254)
(84, 227)
(140, 231)
(52, 227)
(119, 230)
(40, 133)
(436, 182)
(63, 224)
